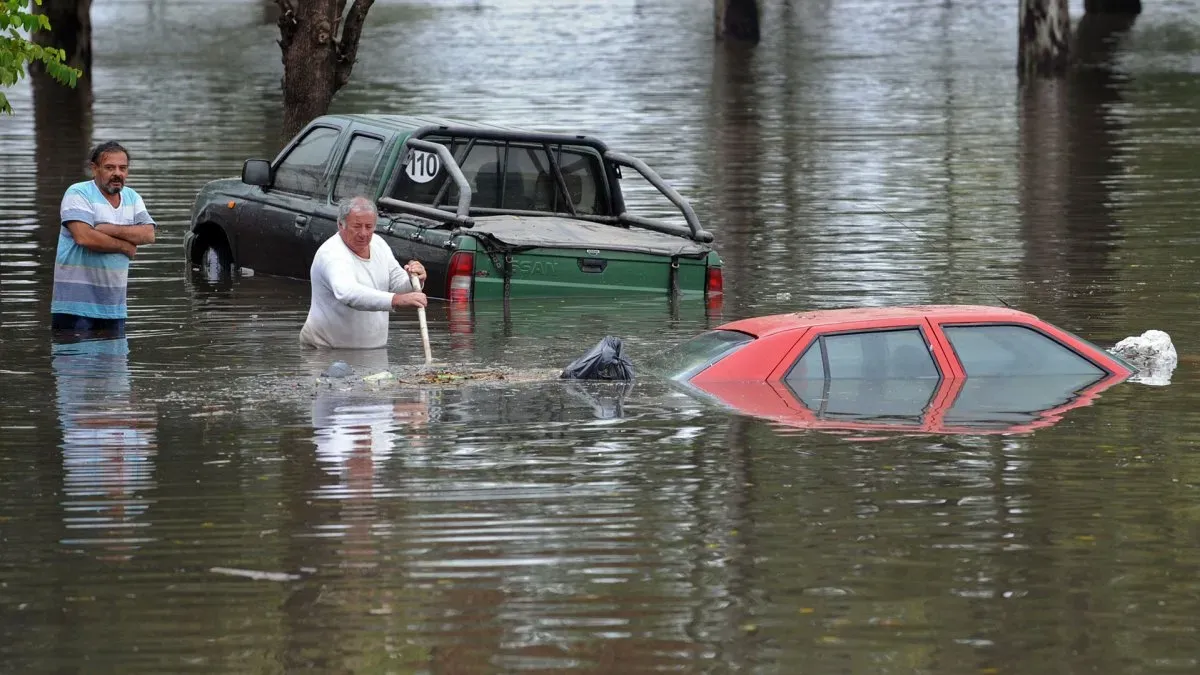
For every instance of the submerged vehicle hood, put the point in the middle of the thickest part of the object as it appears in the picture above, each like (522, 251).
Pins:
(558, 232)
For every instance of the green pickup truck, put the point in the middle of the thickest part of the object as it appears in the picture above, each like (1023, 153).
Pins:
(492, 212)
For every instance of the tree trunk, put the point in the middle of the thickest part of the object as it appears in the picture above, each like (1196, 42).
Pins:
(62, 123)
(70, 30)
(1044, 49)
(319, 49)
(736, 20)
(1112, 6)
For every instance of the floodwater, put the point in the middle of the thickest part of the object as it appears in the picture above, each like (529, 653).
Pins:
(161, 511)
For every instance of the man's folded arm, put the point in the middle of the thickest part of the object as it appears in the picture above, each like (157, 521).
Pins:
(138, 235)
(96, 240)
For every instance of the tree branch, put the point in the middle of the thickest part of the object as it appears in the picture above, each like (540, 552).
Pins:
(347, 46)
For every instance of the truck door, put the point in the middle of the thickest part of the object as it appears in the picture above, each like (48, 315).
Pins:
(275, 228)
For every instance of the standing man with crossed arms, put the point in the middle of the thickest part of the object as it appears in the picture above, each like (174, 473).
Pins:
(103, 223)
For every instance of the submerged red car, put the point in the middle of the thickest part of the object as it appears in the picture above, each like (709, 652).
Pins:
(932, 368)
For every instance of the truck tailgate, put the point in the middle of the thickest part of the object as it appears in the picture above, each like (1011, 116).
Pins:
(542, 256)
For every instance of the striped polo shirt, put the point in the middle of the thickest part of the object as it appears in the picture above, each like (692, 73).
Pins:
(87, 283)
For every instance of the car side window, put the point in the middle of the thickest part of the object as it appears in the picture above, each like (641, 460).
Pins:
(881, 354)
(302, 170)
(354, 177)
(1014, 350)
(811, 366)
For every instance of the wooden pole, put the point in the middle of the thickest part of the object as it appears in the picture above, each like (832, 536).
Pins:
(1044, 38)
(416, 284)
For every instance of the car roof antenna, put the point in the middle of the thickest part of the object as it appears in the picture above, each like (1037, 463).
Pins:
(901, 223)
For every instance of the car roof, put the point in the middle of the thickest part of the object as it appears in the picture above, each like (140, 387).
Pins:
(761, 326)
(410, 123)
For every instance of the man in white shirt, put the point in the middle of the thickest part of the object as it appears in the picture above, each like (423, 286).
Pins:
(355, 282)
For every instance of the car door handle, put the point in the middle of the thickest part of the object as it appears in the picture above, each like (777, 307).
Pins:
(301, 221)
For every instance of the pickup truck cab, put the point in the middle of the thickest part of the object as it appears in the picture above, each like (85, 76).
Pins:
(491, 212)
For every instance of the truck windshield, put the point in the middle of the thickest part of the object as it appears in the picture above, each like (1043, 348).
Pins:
(510, 176)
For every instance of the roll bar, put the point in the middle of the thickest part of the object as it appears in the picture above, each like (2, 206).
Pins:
(462, 212)
(695, 232)
(462, 215)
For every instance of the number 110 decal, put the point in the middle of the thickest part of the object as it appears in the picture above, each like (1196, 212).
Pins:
(423, 166)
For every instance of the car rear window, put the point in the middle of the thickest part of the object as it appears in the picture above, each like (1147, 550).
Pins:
(1014, 350)
(688, 358)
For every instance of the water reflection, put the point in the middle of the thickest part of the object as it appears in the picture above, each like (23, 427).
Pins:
(736, 166)
(108, 447)
(606, 399)
(974, 405)
(1070, 166)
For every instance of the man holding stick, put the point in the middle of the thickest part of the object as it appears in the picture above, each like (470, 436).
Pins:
(355, 282)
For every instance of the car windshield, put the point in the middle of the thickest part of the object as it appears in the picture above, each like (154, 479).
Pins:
(688, 358)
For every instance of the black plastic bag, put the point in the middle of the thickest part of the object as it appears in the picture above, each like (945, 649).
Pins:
(605, 361)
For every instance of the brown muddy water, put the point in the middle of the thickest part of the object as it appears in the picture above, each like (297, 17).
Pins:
(163, 510)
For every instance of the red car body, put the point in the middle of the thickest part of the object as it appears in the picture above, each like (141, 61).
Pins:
(754, 378)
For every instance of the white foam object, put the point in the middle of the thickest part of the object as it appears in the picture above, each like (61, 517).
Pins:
(1152, 353)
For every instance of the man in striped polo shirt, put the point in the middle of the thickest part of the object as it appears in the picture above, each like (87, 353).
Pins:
(103, 223)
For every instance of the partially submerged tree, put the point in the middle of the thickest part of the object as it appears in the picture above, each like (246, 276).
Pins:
(319, 41)
(1044, 38)
(17, 21)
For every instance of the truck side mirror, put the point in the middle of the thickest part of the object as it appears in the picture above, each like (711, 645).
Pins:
(256, 172)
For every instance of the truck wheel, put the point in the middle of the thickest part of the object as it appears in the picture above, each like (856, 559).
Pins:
(215, 263)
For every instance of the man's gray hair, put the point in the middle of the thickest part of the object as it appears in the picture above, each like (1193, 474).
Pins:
(355, 203)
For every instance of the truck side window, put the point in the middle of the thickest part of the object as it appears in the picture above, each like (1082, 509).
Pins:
(582, 174)
(302, 170)
(410, 190)
(354, 177)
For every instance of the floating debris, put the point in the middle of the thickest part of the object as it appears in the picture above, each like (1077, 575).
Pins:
(1152, 353)
(255, 574)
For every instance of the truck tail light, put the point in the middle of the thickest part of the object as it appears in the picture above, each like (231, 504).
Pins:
(460, 277)
(714, 282)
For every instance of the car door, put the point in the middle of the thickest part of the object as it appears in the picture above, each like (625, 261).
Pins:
(274, 235)
(879, 376)
(1014, 374)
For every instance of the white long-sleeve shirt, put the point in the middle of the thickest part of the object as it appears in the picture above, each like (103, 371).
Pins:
(352, 296)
